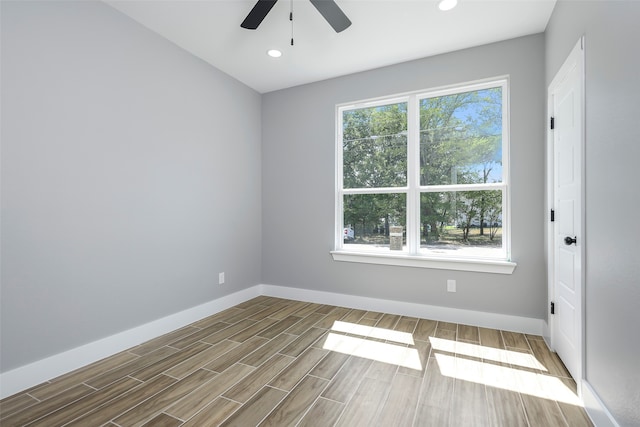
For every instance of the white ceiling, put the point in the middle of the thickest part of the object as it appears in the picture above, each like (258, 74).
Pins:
(383, 32)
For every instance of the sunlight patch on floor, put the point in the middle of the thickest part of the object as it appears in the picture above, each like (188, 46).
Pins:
(525, 360)
(507, 378)
(374, 350)
(373, 332)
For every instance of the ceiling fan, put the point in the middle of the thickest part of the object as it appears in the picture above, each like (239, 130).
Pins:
(327, 8)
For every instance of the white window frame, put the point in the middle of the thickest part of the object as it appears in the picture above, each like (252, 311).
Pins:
(412, 257)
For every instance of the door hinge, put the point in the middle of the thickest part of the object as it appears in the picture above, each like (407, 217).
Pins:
(553, 308)
(552, 123)
(553, 215)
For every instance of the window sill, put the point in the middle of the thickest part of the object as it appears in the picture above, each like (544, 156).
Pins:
(459, 264)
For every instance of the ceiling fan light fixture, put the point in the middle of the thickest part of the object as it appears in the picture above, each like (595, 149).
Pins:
(274, 53)
(447, 4)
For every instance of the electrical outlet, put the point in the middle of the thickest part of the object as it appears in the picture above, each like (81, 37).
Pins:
(221, 278)
(451, 285)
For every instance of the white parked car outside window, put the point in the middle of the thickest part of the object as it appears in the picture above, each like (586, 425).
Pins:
(348, 233)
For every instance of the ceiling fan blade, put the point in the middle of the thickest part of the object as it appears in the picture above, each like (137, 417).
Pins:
(333, 14)
(257, 14)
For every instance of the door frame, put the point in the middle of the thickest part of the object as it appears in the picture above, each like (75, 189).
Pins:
(577, 57)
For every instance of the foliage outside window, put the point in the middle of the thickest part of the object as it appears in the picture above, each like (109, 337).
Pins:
(434, 163)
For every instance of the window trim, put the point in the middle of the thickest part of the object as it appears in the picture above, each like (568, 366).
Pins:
(412, 256)
(422, 261)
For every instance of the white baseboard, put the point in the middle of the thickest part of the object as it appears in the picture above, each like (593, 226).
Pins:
(505, 322)
(599, 414)
(21, 378)
(27, 376)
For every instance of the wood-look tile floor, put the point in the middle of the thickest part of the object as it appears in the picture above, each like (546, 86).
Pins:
(277, 362)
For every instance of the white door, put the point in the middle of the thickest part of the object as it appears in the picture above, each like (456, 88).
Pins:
(566, 105)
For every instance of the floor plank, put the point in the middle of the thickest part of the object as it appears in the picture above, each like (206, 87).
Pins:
(163, 420)
(424, 329)
(196, 362)
(249, 385)
(515, 340)
(279, 327)
(388, 321)
(43, 408)
(160, 366)
(542, 412)
(296, 404)
(469, 333)
(469, 401)
(259, 356)
(291, 308)
(289, 377)
(124, 402)
(217, 336)
(363, 407)
(131, 367)
(197, 336)
(434, 405)
(81, 375)
(401, 402)
(153, 406)
(490, 338)
(423, 349)
(213, 414)
(505, 408)
(301, 343)
(575, 416)
(86, 404)
(381, 371)
(347, 380)
(268, 311)
(188, 407)
(324, 412)
(229, 358)
(549, 360)
(163, 340)
(406, 324)
(252, 330)
(16, 403)
(306, 323)
(330, 365)
(256, 409)
(336, 314)
(469, 404)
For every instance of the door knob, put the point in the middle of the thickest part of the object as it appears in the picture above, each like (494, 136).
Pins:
(570, 240)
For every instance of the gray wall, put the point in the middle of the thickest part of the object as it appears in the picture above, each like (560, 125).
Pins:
(612, 197)
(299, 175)
(130, 178)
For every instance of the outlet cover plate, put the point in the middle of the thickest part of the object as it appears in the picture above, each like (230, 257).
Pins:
(451, 285)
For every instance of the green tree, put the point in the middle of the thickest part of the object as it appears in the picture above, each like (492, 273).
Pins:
(374, 156)
(460, 143)
(493, 212)
(468, 205)
(374, 213)
(375, 147)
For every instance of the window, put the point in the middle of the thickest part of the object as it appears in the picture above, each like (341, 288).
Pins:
(423, 178)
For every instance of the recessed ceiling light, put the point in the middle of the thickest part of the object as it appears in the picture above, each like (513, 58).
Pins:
(274, 53)
(447, 4)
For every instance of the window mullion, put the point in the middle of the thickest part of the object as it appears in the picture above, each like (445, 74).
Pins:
(506, 173)
(339, 205)
(413, 175)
